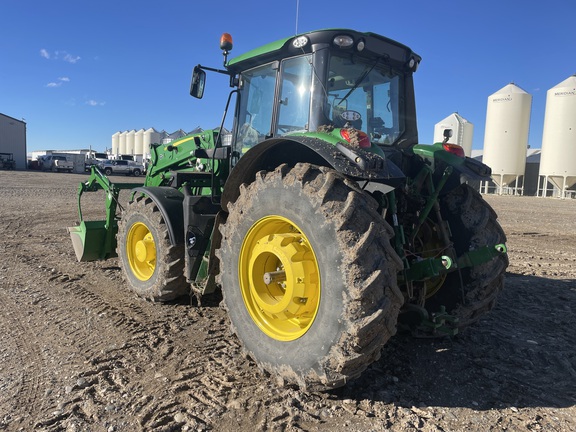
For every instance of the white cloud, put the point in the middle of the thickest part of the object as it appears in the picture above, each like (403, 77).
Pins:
(59, 82)
(71, 58)
(60, 55)
(92, 102)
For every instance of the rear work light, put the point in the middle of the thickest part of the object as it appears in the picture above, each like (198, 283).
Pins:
(356, 137)
(343, 41)
(454, 149)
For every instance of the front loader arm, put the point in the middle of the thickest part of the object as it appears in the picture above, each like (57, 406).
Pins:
(96, 181)
(193, 152)
(94, 240)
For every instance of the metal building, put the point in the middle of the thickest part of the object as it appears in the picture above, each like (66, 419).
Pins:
(13, 140)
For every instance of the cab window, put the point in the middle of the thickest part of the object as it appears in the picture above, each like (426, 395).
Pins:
(369, 94)
(295, 91)
(254, 123)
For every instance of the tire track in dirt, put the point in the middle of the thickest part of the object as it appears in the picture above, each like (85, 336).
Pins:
(147, 335)
(80, 329)
(24, 387)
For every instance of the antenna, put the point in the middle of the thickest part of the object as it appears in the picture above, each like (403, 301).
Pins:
(297, 8)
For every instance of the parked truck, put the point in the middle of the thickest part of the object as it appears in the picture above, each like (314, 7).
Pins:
(55, 163)
(324, 222)
(126, 167)
(94, 158)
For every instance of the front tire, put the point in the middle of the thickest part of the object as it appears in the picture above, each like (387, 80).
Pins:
(152, 266)
(330, 300)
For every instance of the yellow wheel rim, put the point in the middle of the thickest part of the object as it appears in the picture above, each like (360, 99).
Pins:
(141, 251)
(279, 278)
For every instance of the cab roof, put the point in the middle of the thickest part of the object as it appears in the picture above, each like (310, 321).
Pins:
(374, 45)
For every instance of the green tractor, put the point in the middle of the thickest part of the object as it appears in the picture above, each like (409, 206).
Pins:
(324, 223)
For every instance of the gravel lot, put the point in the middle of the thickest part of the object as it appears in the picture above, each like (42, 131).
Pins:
(79, 352)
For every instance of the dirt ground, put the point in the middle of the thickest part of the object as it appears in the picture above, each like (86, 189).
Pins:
(78, 352)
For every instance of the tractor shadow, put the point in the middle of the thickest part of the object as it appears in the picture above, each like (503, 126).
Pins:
(521, 354)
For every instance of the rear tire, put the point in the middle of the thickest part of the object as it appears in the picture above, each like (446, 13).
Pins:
(339, 301)
(471, 292)
(153, 268)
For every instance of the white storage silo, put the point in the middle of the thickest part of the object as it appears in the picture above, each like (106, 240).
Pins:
(462, 131)
(558, 159)
(115, 142)
(130, 142)
(122, 143)
(151, 136)
(506, 134)
(139, 142)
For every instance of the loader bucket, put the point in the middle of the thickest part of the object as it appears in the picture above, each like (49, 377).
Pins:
(89, 240)
(96, 239)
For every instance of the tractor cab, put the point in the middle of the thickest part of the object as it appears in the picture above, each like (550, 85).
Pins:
(357, 83)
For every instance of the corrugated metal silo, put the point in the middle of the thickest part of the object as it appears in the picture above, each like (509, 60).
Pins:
(462, 131)
(115, 142)
(139, 142)
(122, 143)
(506, 134)
(130, 142)
(558, 159)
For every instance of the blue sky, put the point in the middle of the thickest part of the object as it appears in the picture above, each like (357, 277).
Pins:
(79, 71)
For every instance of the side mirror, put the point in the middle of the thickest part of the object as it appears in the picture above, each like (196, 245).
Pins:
(198, 82)
(447, 134)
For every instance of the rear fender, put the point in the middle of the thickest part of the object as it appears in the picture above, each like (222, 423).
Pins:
(354, 162)
(464, 169)
(169, 202)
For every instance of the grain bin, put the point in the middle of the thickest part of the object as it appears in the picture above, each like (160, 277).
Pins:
(506, 135)
(558, 160)
(130, 142)
(462, 131)
(151, 136)
(139, 142)
(115, 142)
(122, 143)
